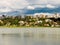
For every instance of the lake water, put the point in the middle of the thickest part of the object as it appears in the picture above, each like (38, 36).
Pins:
(30, 39)
(29, 36)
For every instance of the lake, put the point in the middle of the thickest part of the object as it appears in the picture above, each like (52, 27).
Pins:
(40, 36)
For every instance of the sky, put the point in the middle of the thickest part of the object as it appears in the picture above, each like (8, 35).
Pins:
(10, 5)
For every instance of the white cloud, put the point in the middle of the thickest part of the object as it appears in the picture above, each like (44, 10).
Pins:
(37, 1)
(30, 7)
(50, 6)
(7, 5)
(5, 10)
(55, 2)
(41, 6)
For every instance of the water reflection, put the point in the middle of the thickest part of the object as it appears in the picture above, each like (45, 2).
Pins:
(30, 39)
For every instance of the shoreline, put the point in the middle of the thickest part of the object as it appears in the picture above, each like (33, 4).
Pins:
(25, 27)
(29, 31)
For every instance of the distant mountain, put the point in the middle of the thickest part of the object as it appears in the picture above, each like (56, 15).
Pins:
(36, 10)
(43, 10)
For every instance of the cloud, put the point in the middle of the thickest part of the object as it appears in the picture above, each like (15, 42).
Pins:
(30, 7)
(54, 2)
(8, 5)
(37, 1)
(50, 6)
(41, 6)
(5, 10)
(47, 5)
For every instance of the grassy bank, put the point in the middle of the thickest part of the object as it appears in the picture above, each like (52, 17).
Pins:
(26, 27)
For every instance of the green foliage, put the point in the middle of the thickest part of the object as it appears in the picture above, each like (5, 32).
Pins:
(28, 20)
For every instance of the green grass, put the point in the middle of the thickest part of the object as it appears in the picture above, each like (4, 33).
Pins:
(26, 27)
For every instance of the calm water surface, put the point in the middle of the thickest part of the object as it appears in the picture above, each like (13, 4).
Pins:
(30, 39)
(30, 36)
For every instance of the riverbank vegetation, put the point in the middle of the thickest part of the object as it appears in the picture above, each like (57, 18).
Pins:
(28, 21)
